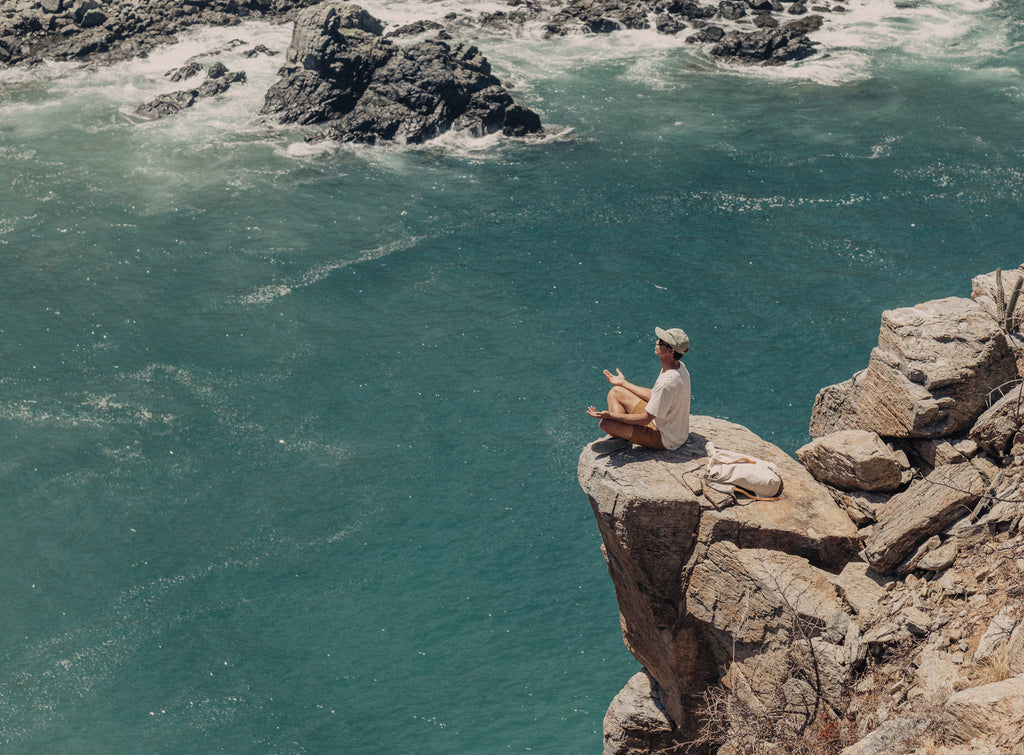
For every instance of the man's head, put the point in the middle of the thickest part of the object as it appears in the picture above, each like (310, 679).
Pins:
(675, 339)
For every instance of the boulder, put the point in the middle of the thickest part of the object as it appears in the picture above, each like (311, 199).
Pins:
(985, 290)
(659, 529)
(852, 460)
(636, 722)
(861, 587)
(995, 428)
(341, 72)
(766, 46)
(929, 376)
(987, 711)
(924, 509)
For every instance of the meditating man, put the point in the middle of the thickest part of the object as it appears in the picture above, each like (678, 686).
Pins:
(657, 417)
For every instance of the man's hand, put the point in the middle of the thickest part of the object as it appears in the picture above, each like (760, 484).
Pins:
(617, 378)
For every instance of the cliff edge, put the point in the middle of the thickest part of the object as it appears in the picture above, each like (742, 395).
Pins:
(853, 611)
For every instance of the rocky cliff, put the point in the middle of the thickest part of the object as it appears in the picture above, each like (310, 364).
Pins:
(875, 607)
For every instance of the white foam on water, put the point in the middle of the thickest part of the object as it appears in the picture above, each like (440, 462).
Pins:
(270, 292)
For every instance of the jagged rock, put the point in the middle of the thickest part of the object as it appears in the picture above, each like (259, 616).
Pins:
(186, 71)
(934, 452)
(912, 562)
(852, 460)
(985, 291)
(1015, 650)
(985, 711)
(218, 79)
(657, 531)
(926, 508)
(890, 737)
(766, 46)
(862, 506)
(339, 70)
(861, 587)
(996, 635)
(928, 377)
(995, 429)
(940, 558)
(835, 406)
(635, 722)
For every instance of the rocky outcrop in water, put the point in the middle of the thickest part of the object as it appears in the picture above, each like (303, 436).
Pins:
(877, 605)
(110, 30)
(760, 32)
(341, 72)
(218, 80)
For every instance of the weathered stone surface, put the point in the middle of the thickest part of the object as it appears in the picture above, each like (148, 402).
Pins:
(996, 635)
(934, 452)
(939, 558)
(852, 460)
(926, 508)
(861, 587)
(635, 722)
(985, 291)
(835, 406)
(861, 506)
(657, 530)
(994, 430)
(930, 374)
(985, 711)
(340, 71)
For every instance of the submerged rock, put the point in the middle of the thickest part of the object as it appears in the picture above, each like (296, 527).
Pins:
(342, 72)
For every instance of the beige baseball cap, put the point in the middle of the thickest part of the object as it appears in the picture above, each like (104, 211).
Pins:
(674, 337)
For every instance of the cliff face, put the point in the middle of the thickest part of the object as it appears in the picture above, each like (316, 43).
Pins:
(764, 623)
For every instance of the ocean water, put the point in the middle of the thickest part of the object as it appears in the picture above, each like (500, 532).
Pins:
(288, 435)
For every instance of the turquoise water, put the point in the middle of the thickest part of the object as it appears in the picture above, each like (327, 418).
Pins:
(288, 436)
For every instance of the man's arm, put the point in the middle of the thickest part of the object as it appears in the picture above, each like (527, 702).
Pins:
(627, 419)
(637, 390)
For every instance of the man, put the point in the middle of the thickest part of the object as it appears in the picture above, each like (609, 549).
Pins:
(657, 417)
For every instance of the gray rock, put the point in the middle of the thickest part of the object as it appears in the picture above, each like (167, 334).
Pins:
(852, 460)
(636, 720)
(921, 381)
(861, 587)
(996, 635)
(342, 73)
(926, 508)
(987, 711)
(940, 558)
(994, 430)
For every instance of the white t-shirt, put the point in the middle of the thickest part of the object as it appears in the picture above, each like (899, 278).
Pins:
(670, 405)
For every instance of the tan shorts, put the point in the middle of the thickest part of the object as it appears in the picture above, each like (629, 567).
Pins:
(647, 435)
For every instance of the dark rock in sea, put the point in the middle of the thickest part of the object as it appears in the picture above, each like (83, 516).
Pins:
(732, 10)
(707, 34)
(416, 27)
(187, 71)
(342, 72)
(691, 9)
(765, 46)
(668, 24)
(259, 50)
(218, 79)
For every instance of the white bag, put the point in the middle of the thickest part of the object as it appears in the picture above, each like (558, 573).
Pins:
(730, 472)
